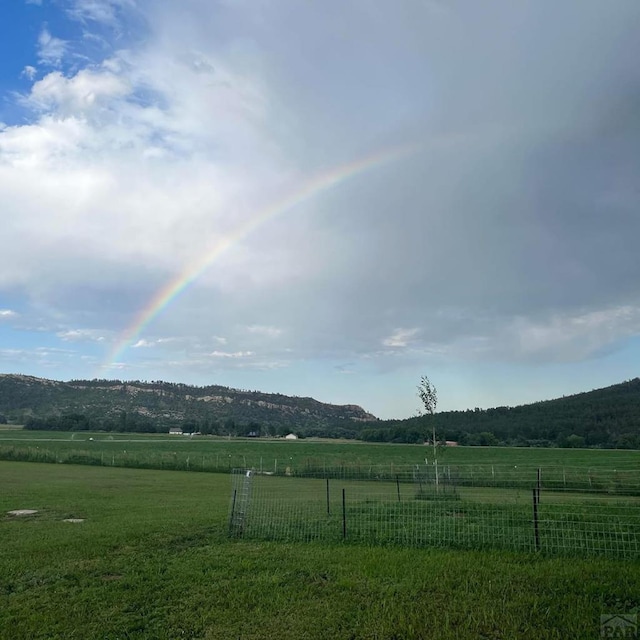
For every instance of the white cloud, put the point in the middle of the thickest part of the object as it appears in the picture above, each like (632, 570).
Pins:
(264, 330)
(401, 338)
(101, 11)
(82, 335)
(133, 166)
(143, 344)
(83, 94)
(44, 356)
(29, 72)
(5, 314)
(53, 350)
(120, 366)
(229, 354)
(572, 337)
(51, 50)
(556, 337)
(112, 180)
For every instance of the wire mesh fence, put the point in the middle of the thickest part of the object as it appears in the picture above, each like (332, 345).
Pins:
(421, 506)
(108, 451)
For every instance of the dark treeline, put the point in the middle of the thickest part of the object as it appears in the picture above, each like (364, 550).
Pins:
(607, 417)
(135, 423)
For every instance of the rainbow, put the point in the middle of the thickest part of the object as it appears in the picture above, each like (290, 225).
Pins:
(194, 269)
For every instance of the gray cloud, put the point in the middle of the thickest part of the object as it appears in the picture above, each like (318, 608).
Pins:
(522, 201)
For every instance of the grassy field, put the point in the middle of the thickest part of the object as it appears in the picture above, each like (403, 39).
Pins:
(152, 560)
(273, 454)
(603, 471)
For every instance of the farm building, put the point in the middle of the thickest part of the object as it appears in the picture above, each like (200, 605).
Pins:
(175, 431)
(291, 436)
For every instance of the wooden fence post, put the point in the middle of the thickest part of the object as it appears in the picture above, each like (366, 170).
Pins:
(536, 531)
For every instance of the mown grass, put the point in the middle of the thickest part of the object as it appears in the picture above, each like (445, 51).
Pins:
(152, 560)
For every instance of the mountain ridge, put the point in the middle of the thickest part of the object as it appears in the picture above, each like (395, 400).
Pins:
(167, 404)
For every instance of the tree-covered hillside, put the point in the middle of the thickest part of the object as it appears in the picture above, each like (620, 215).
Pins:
(608, 417)
(114, 405)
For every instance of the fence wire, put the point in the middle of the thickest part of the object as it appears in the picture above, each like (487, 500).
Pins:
(422, 507)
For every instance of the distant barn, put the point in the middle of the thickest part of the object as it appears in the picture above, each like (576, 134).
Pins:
(175, 431)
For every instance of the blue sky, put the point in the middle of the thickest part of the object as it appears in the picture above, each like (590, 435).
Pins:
(496, 254)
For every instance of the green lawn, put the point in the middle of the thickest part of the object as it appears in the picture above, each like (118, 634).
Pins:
(152, 560)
